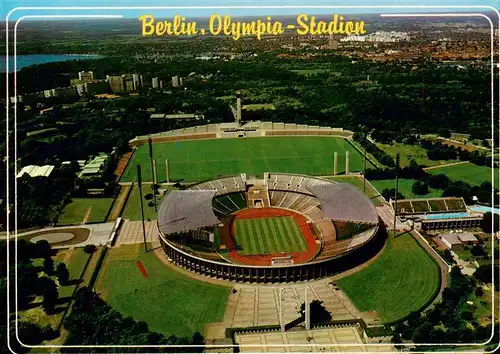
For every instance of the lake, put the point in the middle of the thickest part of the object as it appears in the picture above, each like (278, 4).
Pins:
(32, 59)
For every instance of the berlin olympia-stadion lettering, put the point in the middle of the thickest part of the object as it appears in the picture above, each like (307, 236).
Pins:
(224, 25)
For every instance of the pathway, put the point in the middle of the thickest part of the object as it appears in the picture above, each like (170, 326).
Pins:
(445, 165)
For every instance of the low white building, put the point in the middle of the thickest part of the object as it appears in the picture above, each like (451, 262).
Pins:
(36, 171)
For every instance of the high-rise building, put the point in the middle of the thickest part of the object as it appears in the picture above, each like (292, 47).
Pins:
(175, 81)
(80, 88)
(333, 44)
(86, 76)
(117, 83)
(181, 82)
(155, 83)
(137, 81)
(96, 87)
(161, 84)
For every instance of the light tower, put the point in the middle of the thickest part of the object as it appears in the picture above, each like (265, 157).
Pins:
(238, 107)
(139, 181)
(396, 194)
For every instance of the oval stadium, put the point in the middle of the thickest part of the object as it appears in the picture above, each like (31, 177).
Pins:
(270, 229)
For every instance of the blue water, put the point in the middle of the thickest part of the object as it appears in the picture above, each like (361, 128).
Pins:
(484, 209)
(447, 216)
(32, 59)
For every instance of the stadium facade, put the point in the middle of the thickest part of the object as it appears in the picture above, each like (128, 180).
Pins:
(194, 226)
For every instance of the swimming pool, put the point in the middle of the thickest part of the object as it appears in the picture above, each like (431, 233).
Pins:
(447, 216)
(484, 209)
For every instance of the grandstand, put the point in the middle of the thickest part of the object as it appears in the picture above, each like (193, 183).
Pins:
(431, 205)
(196, 226)
(438, 213)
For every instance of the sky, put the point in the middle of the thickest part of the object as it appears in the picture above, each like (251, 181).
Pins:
(7, 5)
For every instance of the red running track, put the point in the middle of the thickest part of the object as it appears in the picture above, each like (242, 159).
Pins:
(265, 260)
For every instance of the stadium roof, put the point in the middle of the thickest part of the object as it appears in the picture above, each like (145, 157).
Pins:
(186, 210)
(36, 171)
(344, 202)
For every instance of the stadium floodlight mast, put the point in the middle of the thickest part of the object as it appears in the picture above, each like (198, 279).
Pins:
(152, 171)
(364, 161)
(396, 195)
(139, 181)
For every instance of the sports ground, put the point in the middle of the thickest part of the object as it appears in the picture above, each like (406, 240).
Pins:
(197, 160)
(269, 235)
(469, 173)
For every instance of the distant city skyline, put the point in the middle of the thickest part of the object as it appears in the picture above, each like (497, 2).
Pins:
(341, 7)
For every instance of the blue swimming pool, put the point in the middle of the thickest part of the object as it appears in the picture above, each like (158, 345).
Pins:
(484, 209)
(447, 216)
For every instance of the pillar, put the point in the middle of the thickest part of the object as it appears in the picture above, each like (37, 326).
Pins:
(155, 177)
(335, 160)
(167, 170)
(347, 162)
(307, 310)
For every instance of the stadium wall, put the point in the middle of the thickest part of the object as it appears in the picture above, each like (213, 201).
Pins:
(272, 274)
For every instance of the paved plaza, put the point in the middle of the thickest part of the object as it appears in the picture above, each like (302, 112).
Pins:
(131, 232)
(335, 339)
(259, 305)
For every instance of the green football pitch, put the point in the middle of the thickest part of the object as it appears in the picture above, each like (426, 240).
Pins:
(198, 160)
(269, 235)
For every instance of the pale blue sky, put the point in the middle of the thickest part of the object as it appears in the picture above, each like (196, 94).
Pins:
(8, 5)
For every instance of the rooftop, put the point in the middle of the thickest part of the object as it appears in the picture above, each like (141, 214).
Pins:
(36, 171)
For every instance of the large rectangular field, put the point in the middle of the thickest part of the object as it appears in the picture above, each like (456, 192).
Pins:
(85, 210)
(405, 188)
(468, 172)
(269, 235)
(197, 160)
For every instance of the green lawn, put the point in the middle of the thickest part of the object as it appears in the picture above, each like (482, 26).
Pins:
(369, 191)
(407, 152)
(258, 106)
(75, 261)
(169, 302)
(205, 159)
(75, 212)
(269, 235)
(403, 279)
(307, 72)
(404, 187)
(133, 208)
(469, 173)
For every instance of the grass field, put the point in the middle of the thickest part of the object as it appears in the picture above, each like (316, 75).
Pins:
(75, 261)
(168, 301)
(307, 72)
(258, 106)
(403, 279)
(370, 192)
(407, 152)
(204, 159)
(405, 188)
(269, 235)
(132, 210)
(469, 173)
(76, 211)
